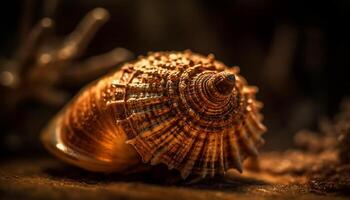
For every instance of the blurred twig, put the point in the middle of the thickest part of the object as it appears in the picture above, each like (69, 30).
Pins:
(43, 62)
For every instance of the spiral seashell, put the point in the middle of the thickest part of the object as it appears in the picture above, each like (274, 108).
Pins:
(187, 111)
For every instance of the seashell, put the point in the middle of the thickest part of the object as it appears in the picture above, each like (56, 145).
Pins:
(182, 109)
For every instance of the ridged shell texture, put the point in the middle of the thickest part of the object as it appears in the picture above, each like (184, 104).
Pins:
(185, 110)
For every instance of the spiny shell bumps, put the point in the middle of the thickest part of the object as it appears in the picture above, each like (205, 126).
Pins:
(185, 110)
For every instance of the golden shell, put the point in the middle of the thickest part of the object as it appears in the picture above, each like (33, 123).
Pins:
(190, 112)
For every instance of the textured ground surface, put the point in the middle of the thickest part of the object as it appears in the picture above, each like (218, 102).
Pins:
(47, 178)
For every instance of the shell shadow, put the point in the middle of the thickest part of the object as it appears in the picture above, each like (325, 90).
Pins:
(158, 175)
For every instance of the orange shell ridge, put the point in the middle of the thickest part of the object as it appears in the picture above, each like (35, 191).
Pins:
(185, 110)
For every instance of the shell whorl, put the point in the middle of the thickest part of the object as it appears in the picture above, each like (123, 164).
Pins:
(209, 97)
(184, 110)
(203, 119)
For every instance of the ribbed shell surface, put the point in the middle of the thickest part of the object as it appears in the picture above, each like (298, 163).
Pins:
(157, 106)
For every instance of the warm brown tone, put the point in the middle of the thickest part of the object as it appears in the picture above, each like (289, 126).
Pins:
(190, 112)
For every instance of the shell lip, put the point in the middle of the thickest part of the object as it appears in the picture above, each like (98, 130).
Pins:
(50, 137)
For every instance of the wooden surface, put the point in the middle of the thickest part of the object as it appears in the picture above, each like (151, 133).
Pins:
(48, 178)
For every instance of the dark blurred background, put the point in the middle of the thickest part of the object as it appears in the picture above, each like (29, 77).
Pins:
(296, 52)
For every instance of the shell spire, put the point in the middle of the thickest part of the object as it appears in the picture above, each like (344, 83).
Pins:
(223, 83)
(187, 111)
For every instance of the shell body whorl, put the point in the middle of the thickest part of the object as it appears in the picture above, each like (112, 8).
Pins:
(184, 110)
